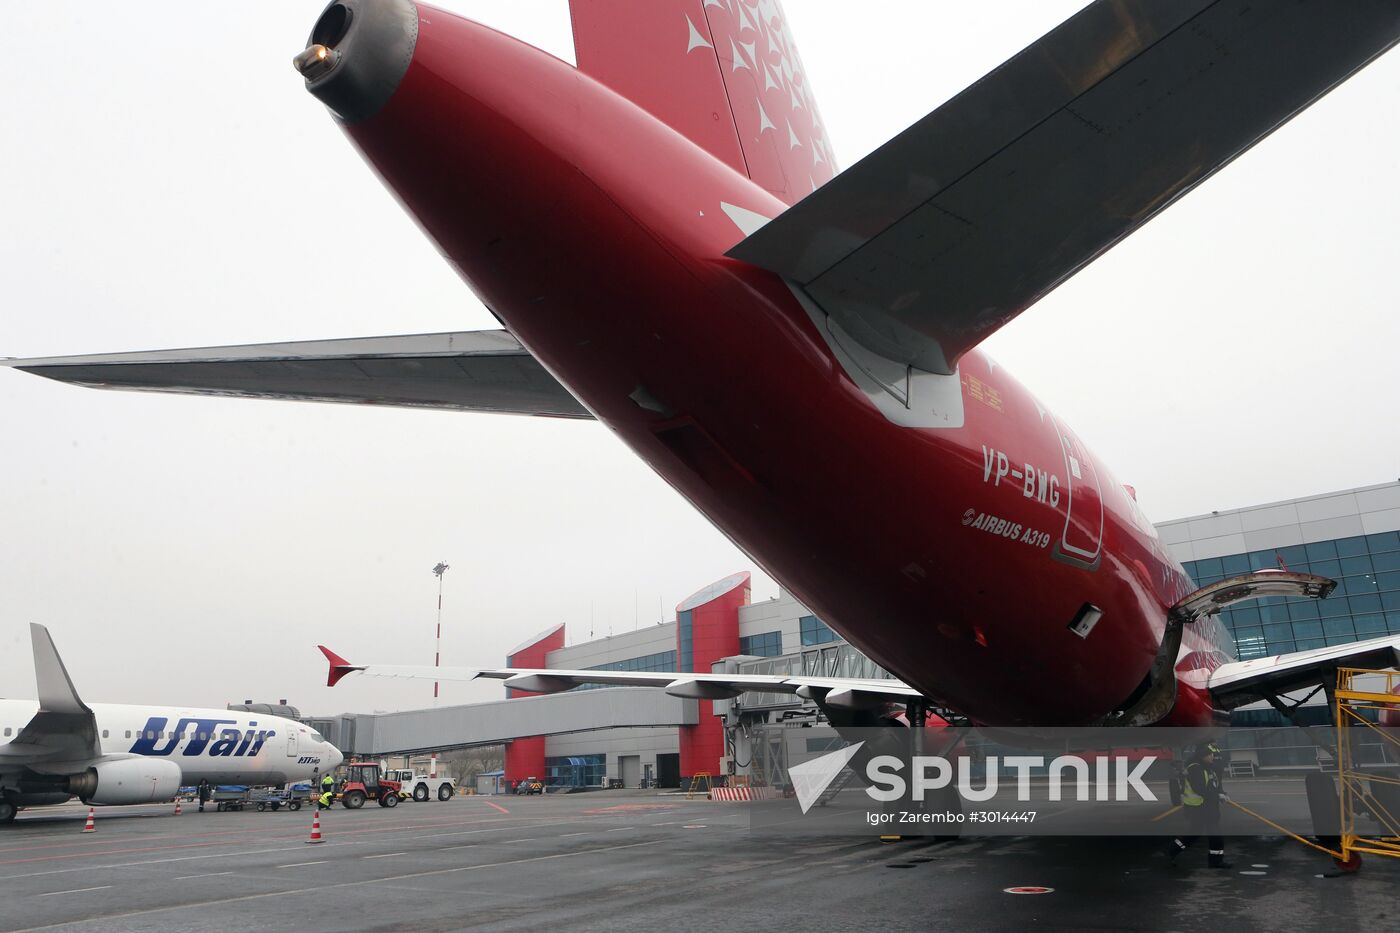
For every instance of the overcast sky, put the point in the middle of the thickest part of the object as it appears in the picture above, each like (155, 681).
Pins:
(167, 182)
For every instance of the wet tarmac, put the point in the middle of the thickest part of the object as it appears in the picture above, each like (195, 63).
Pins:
(624, 860)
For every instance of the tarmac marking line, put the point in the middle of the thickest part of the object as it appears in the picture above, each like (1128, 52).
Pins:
(207, 835)
(342, 884)
(498, 829)
(620, 829)
(567, 835)
(385, 855)
(412, 826)
(128, 839)
(77, 891)
(496, 806)
(74, 844)
(72, 855)
(300, 864)
(211, 874)
(162, 861)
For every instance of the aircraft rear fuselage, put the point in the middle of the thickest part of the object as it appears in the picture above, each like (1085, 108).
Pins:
(956, 555)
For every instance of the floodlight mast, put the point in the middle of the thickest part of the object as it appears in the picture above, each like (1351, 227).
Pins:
(441, 568)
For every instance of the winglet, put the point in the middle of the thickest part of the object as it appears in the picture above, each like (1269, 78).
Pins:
(56, 692)
(339, 666)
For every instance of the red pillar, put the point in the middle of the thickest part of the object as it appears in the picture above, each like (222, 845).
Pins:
(525, 757)
(707, 630)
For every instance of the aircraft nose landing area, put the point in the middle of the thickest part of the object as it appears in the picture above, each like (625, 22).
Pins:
(626, 861)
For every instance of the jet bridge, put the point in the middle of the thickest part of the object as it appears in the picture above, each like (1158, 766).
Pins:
(496, 722)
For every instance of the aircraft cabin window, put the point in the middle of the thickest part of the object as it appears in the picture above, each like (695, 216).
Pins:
(150, 734)
(7, 730)
(128, 733)
(104, 733)
(203, 737)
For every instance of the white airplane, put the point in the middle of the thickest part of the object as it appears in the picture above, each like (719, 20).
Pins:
(59, 747)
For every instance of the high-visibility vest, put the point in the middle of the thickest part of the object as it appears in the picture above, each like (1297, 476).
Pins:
(1189, 797)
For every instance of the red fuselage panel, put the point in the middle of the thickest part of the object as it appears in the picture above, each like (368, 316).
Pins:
(955, 557)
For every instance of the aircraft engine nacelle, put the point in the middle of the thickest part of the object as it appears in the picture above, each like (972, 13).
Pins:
(126, 780)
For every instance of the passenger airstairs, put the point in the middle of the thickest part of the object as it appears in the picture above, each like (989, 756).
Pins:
(842, 781)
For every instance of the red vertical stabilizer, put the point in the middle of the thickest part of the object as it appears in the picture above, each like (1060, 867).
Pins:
(724, 73)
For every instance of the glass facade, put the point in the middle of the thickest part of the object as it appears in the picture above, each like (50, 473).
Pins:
(575, 771)
(1365, 604)
(763, 645)
(815, 631)
(661, 661)
(686, 639)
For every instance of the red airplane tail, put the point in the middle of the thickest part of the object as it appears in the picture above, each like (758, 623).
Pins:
(724, 73)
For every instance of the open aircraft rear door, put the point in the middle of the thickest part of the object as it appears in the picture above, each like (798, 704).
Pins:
(1157, 700)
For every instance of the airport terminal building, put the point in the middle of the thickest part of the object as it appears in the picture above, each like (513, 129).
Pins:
(1351, 536)
(644, 737)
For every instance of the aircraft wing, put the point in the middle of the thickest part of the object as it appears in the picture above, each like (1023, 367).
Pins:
(961, 222)
(838, 691)
(64, 728)
(487, 371)
(1240, 682)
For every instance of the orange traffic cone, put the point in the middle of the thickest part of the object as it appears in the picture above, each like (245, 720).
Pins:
(90, 827)
(315, 829)
(178, 811)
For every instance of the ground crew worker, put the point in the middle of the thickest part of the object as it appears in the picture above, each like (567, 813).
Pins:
(203, 794)
(1201, 794)
(327, 793)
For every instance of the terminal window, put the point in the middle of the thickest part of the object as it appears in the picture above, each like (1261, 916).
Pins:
(815, 631)
(765, 645)
(1365, 604)
(661, 661)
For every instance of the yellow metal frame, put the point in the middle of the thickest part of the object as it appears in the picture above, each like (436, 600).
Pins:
(1351, 705)
(695, 781)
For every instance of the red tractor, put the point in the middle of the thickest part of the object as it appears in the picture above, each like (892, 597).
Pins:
(362, 782)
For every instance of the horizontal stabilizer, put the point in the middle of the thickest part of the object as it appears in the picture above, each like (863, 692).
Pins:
(486, 371)
(957, 225)
(1239, 682)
